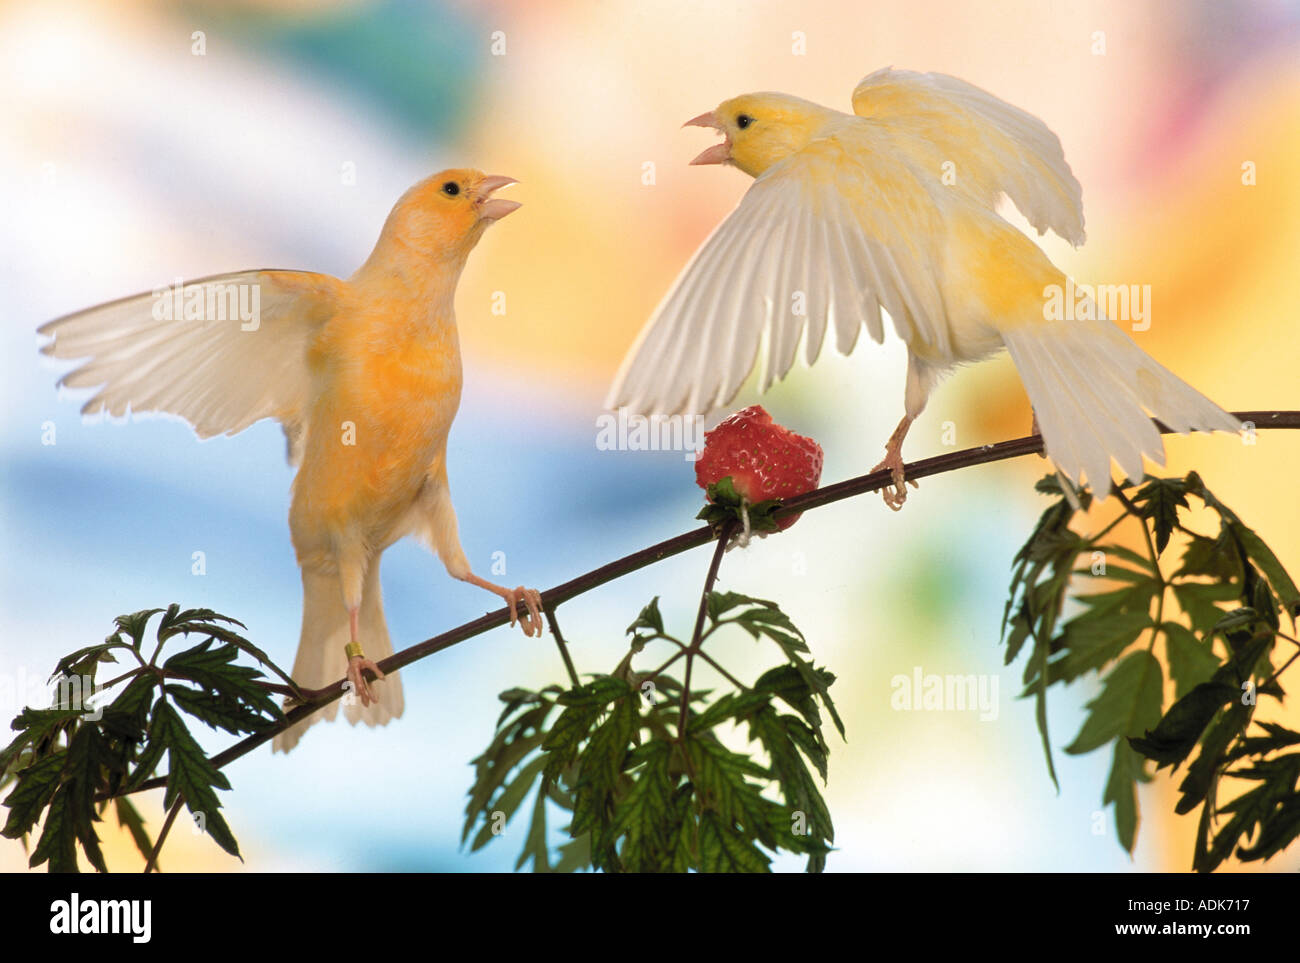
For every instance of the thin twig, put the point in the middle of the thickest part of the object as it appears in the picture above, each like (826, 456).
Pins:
(562, 645)
(952, 461)
(724, 537)
(152, 865)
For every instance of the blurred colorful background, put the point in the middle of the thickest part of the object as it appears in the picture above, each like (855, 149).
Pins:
(142, 142)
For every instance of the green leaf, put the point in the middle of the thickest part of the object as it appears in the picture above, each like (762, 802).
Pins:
(134, 625)
(1279, 737)
(582, 708)
(219, 710)
(492, 769)
(153, 749)
(128, 714)
(213, 667)
(85, 661)
(1215, 557)
(1129, 703)
(1204, 770)
(775, 733)
(129, 816)
(35, 787)
(574, 855)
(1278, 830)
(1268, 563)
(649, 619)
(722, 785)
(508, 802)
(1159, 501)
(1176, 735)
(1098, 637)
(645, 814)
(191, 776)
(38, 729)
(1277, 779)
(87, 754)
(58, 842)
(1199, 600)
(789, 684)
(535, 847)
(1121, 790)
(1191, 661)
(724, 850)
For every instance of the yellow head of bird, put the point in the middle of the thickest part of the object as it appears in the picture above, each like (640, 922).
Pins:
(443, 216)
(760, 130)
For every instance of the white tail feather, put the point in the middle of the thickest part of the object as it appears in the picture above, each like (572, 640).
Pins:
(1094, 392)
(321, 660)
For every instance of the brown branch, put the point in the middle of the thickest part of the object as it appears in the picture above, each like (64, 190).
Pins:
(967, 458)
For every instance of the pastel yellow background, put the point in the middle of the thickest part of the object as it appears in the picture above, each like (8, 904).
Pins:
(128, 160)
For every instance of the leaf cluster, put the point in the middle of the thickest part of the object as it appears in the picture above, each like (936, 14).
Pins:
(69, 761)
(643, 768)
(1232, 593)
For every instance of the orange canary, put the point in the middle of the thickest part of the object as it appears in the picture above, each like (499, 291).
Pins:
(365, 377)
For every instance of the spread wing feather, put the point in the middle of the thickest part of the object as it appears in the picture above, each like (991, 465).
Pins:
(219, 375)
(800, 254)
(994, 148)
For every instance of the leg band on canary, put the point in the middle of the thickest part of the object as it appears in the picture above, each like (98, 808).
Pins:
(353, 650)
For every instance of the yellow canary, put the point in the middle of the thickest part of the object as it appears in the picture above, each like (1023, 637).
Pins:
(893, 207)
(365, 377)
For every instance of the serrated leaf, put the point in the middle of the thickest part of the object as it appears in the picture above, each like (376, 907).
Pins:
(1277, 779)
(191, 776)
(219, 710)
(1092, 642)
(1199, 600)
(35, 787)
(724, 850)
(797, 785)
(129, 817)
(1203, 771)
(1191, 661)
(213, 667)
(535, 847)
(58, 842)
(508, 802)
(134, 625)
(650, 619)
(1177, 733)
(644, 814)
(1268, 563)
(1129, 703)
(1159, 501)
(1121, 790)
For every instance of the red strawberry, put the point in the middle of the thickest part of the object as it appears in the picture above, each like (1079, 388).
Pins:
(762, 459)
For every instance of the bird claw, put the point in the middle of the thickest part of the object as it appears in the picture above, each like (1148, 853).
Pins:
(895, 497)
(357, 666)
(531, 623)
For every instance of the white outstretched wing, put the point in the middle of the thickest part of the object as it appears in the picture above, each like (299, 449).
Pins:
(994, 148)
(825, 239)
(219, 372)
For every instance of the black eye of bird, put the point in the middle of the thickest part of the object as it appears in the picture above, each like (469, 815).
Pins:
(451, 188)
(743, 121)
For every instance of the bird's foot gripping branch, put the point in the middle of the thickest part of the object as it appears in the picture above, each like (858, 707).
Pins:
(653, 772)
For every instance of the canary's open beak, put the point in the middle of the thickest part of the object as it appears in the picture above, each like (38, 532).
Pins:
(494, 208)
(718, 153)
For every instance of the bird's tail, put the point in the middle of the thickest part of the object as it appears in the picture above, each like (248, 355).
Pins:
(321, 659)
(1094, 392)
